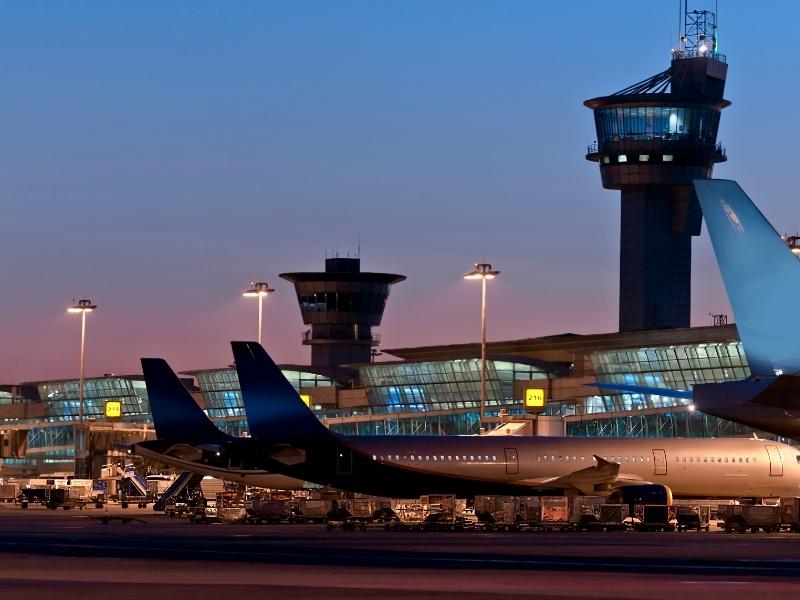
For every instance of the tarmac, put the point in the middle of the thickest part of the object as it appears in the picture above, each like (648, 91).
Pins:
(70, 553)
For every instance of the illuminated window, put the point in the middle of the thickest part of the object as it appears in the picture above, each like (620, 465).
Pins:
(644, 157)
(622, 158)
(667, 158)
(606, 160)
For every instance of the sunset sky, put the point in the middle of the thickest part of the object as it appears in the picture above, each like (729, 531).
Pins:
(157, 156)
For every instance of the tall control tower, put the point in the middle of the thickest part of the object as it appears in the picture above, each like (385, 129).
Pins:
(653, 139)
(341, 305)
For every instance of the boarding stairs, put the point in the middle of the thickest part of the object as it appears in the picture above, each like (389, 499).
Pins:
(184, 482)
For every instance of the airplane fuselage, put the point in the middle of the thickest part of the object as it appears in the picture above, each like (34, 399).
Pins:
(408, 466)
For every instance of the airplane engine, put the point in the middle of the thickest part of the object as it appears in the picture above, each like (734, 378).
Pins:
(650, 493)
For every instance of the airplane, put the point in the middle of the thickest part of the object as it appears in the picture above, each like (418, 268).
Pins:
(188, 440)
(762, 279)
(288, 438)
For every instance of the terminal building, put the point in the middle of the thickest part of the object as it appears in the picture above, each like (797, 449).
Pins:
(653, 138)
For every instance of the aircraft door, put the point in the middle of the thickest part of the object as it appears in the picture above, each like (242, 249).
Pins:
(775, 462)
(660, 461)
(344, 461)
(512, 461)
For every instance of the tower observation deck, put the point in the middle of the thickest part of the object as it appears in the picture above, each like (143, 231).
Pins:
(341, 305)
(653, 139)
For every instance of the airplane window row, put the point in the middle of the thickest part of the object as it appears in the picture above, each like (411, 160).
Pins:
(718, 459)
(440, 457)
(618, 459)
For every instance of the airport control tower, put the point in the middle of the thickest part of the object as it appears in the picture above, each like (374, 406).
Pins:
(653, 139)
(341, 305)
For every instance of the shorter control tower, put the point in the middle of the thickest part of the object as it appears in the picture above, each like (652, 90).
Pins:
(341, 305)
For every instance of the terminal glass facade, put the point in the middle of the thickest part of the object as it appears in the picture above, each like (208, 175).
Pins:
(673, 367)
(63, 397)
(443, 385)
(657, 123)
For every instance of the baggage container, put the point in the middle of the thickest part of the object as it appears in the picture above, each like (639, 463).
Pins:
(530, 508)
(314, 511)
(267, 511)
(654, 517)
(9, 492)
(758, 516)
(499, 512)
(556, 513)
(360, 508)
(790, 513)
(731, 517)
(423, 515)
(613, 517)
(693, 516)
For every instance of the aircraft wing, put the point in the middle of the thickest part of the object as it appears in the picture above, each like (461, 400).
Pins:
(601, 477)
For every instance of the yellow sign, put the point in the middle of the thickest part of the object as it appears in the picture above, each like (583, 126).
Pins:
(113, 409)
(306, 398)
(534, 398)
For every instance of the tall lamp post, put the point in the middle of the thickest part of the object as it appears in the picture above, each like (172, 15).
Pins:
(82, 306)
(482, 271)
(258, 289)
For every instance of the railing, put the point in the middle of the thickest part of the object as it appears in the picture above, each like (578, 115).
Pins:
(591, 148)
(308, 338)
(696, 52)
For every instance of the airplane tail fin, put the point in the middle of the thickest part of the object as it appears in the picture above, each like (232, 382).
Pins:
(761, 276)
(274, 409)
(176, 416)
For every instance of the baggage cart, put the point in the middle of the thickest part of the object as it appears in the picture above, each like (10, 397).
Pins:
(693, 516)
(424, 515)
(790, 514)
(614, 517)
(556, 512)
(313, 511)
(654, 517)
(499, 513)
(9, 492)
(758, 516)
(260, 510)
(731, 517)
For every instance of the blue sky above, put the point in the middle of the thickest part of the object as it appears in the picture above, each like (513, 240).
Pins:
(158, 156)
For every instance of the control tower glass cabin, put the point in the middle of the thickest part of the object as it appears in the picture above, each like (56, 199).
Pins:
(341, 305)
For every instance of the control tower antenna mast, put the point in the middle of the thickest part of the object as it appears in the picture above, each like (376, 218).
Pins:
(699, 36)
(653, 139)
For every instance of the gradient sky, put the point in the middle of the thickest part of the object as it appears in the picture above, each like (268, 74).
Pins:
(157, 156)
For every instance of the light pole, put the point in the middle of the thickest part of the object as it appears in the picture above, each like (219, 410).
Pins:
(82, 306)
(258, 289)
(482, 271)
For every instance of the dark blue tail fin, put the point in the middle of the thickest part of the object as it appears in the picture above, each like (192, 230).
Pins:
(274, 409)
(176, 416)
(761, 275)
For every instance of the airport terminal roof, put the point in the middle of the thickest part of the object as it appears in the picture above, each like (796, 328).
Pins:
(564, 347)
